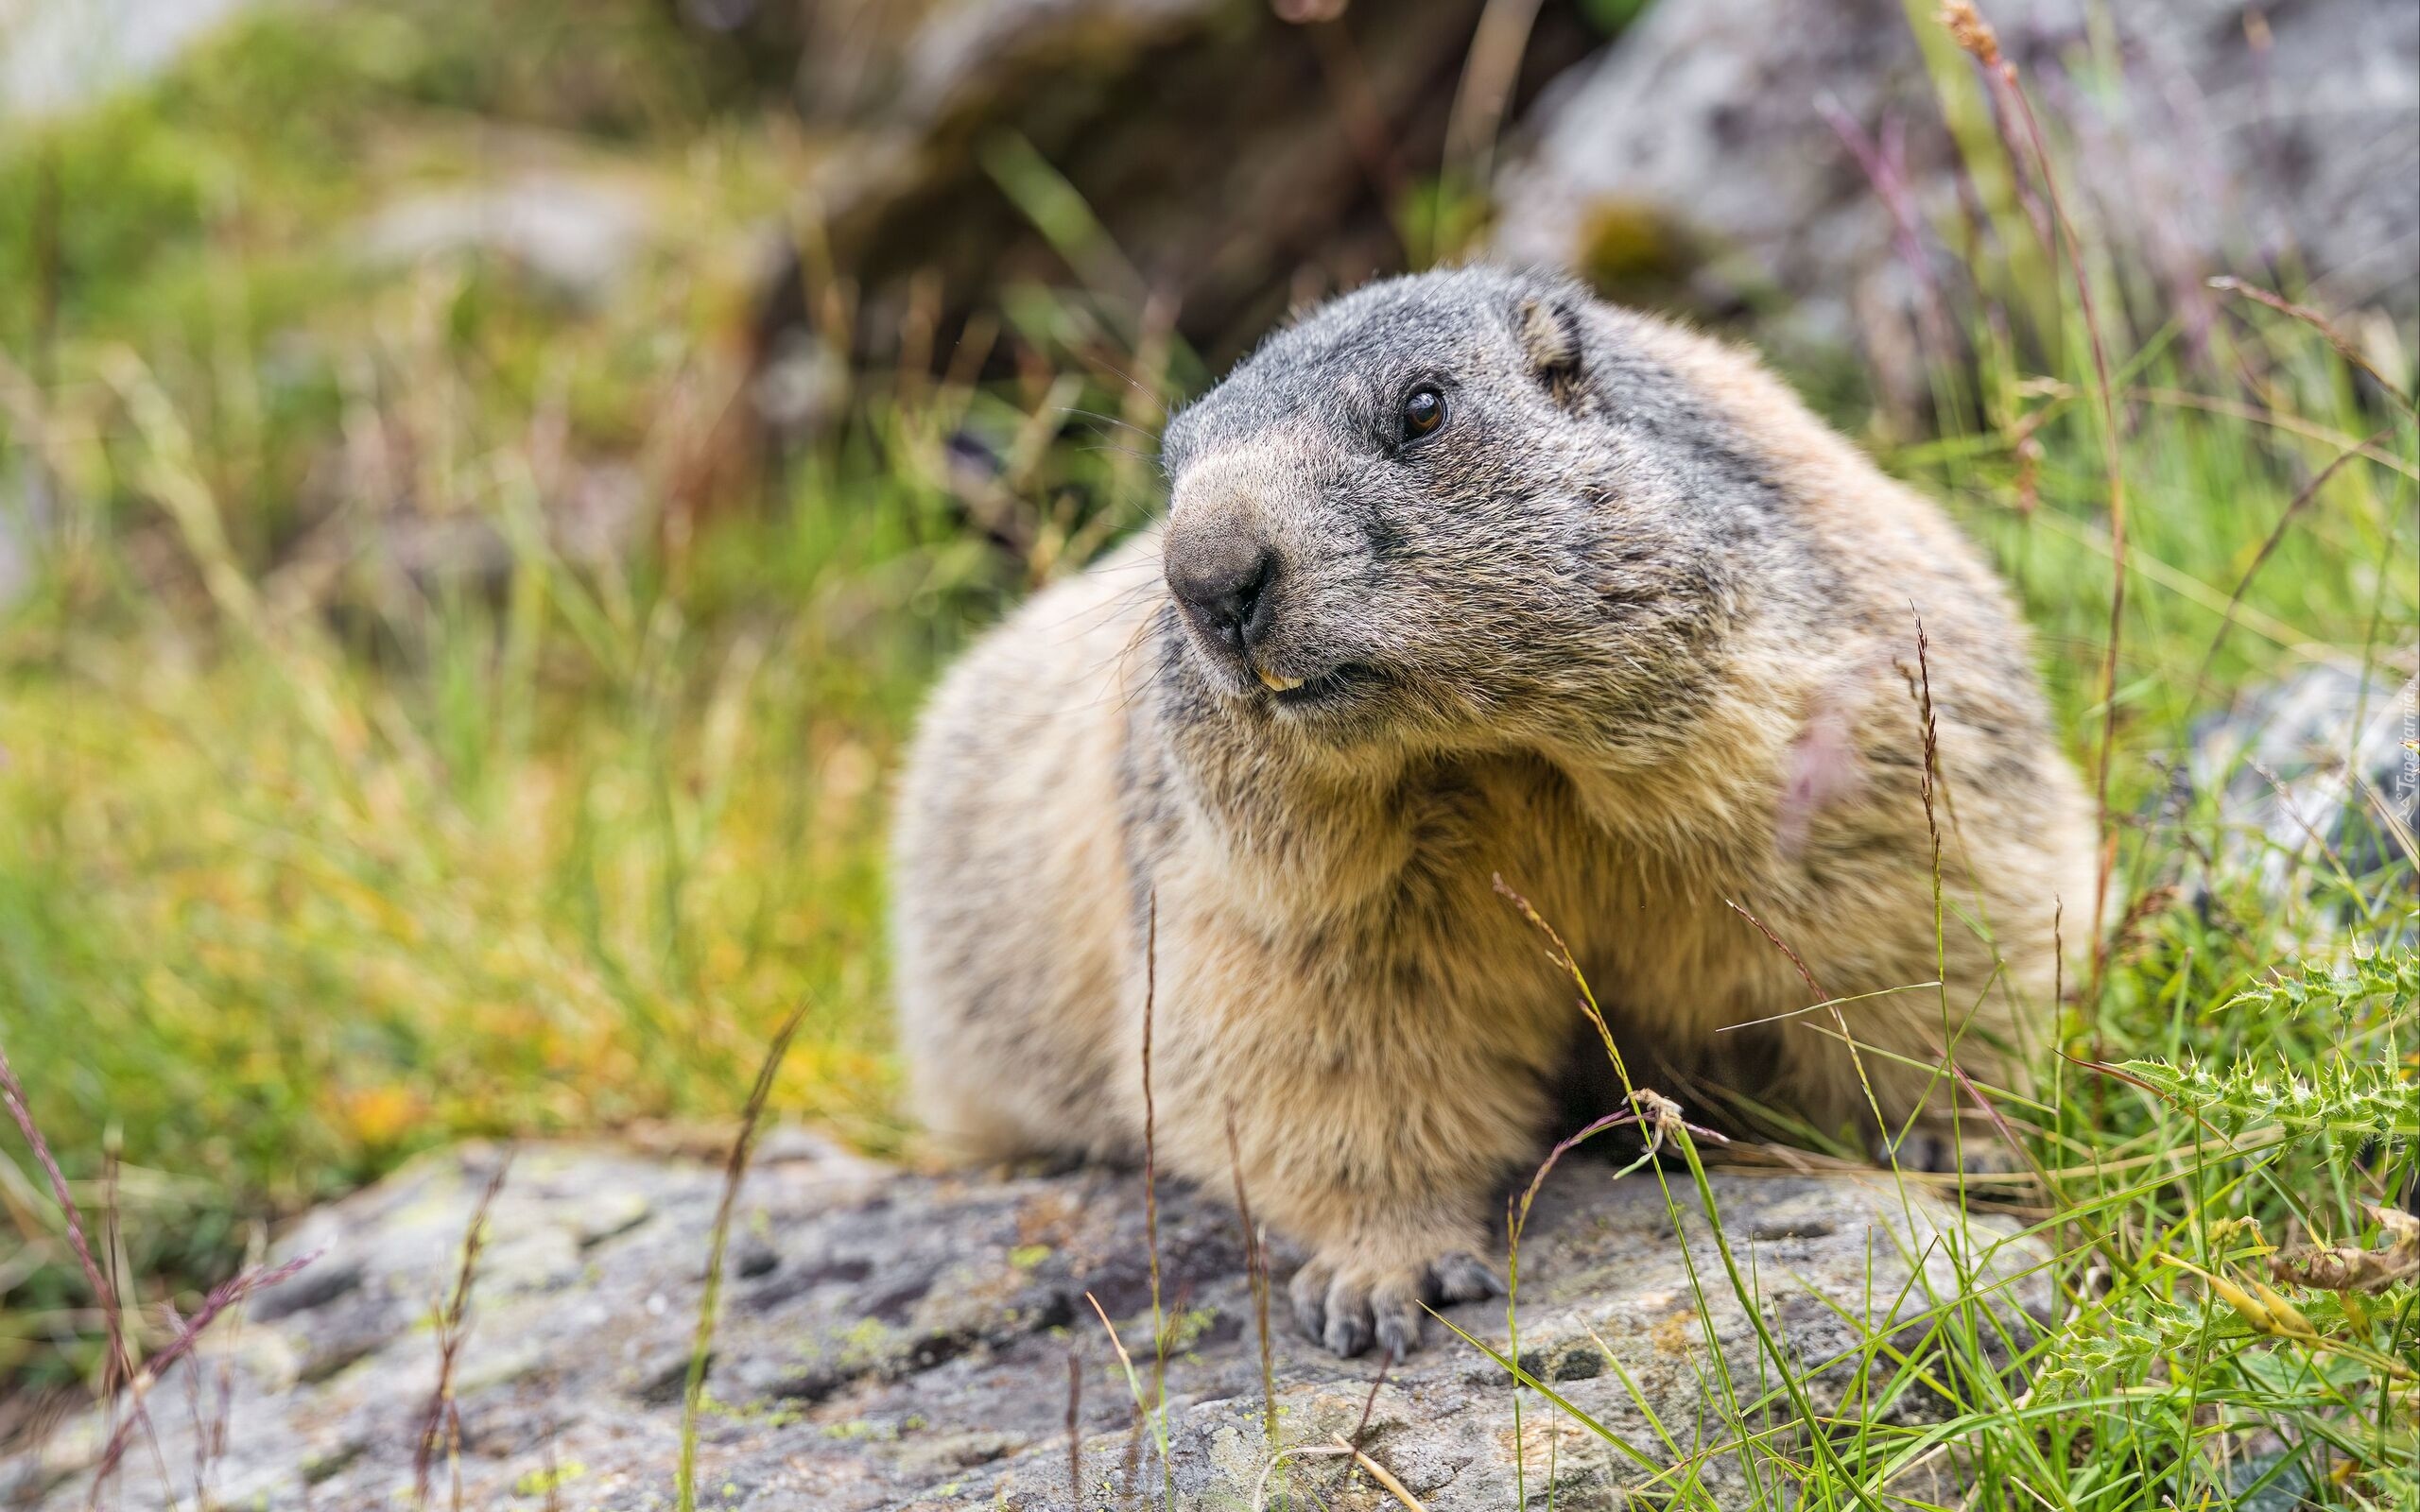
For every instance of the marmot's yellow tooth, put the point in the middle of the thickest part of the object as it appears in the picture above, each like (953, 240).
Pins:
(1277, 683)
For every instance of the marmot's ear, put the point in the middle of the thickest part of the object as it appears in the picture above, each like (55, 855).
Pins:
(1550, 332)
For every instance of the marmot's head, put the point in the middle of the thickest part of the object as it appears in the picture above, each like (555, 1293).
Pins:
(1449, 509)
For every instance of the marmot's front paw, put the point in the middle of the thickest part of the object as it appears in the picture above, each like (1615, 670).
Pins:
(1344, 1301)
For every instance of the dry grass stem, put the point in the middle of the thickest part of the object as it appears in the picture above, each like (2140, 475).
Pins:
(440, 1421)
(1258, 1277)
(735, 1173)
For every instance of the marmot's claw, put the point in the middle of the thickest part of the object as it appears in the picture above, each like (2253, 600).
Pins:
(1463, 1277)
(1397, 1312)
(1348, 1330)
(1309, 1291)
(1348, 1309)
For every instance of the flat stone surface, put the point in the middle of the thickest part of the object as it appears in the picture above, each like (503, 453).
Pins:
(895, 1341)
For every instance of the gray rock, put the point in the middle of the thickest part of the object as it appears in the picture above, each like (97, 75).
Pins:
(2317, 761)
(893, 1341)
(594, 514)
(25, 522)
(58, 55)
(579, 234)
(1705, 149)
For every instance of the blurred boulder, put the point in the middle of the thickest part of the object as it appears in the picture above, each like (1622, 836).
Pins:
(2315, 782)
(24, 515)
(576, 234)
(1771, 155)
(1780, 160)
(57, 56)
(1206, 156)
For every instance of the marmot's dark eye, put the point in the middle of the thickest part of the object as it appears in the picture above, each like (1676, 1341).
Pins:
(1424, 413)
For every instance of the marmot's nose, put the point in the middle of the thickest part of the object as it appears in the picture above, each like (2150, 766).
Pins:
(1223, 584)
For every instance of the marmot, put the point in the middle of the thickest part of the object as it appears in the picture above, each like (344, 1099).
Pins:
(1468, 573)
